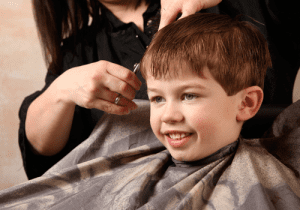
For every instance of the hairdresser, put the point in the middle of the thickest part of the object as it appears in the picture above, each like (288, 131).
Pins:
(90, 47)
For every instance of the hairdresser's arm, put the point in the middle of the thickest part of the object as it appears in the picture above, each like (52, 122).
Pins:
(171, 8)
(49, 117)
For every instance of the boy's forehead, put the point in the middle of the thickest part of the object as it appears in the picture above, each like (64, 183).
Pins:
(175, 70)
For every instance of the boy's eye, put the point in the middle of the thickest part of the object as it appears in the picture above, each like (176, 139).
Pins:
(189, 97)
(158, 99)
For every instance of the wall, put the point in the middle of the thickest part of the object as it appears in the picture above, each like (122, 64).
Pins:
(22, 71)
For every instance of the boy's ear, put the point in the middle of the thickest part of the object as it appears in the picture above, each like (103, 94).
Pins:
(252, 98)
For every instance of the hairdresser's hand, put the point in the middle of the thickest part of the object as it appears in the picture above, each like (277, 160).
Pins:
(171, 8)
(97, 85)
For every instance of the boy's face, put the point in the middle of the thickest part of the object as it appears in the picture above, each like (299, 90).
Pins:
(192, 116)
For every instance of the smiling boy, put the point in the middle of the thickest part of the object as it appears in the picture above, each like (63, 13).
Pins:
(205, 77)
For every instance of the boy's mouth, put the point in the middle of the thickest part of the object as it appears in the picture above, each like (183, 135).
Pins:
(178, 139)
(178, 136)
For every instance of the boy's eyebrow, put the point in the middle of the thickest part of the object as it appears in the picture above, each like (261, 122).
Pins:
(152, 89)
(183, 87)
(192, 86)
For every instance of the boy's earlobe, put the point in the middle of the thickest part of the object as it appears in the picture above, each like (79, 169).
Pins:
(252, 100)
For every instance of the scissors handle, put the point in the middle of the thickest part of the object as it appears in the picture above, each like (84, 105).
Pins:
(136, 68)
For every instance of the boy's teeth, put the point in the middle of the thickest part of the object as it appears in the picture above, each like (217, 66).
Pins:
(177, 136)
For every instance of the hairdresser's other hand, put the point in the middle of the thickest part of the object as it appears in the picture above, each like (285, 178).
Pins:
(171, 8)
(97, 85)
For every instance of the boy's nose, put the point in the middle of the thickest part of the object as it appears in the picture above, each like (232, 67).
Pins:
(172, 114)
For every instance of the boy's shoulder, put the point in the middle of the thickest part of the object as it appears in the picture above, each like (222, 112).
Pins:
(257, 170)
(282, 141)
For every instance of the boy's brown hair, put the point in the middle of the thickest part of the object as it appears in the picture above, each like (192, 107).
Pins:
(235, 52)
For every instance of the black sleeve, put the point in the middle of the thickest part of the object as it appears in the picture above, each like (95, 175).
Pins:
(82, 125)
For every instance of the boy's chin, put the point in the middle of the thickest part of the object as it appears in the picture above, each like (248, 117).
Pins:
(184, 157)
(189, 156)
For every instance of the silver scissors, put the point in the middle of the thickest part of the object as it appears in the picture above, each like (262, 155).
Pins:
(136, 68)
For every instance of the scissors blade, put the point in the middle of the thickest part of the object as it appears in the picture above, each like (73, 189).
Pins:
(136, 68)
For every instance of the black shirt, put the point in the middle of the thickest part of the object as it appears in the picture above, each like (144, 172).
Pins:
(124, 44)
(111, 40)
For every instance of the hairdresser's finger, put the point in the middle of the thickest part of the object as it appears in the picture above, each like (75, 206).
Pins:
(107, 95)
(189, 8)
(123, 74)
(110, 96)
(171, 8)
(192, 6)
(169, 14)
(117, 85)
(112, 108)
(126, 103)
(205, 4)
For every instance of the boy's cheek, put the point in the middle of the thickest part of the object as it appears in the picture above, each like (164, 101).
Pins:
(206, 127)
(155, 126)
